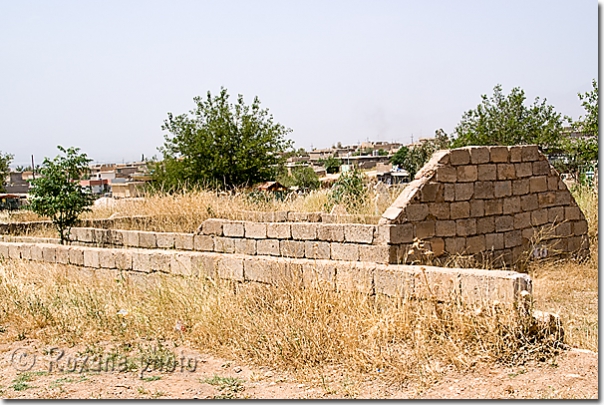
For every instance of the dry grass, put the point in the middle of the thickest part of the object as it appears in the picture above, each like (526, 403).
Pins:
(300, 330)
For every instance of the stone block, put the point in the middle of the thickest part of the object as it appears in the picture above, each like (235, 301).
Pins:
(123, 259)
(417, 212)
(512, 239)
(184, 241)
(431, 191)
(315, 250)
(14, 251)
(116, 238)
(4, 249)
(203, 243)
(485, 225)
(476, 208)
(504, 223)
(487, 172)
(529, 202)
(459, 157)
(446, 174)
(355, 277)
(319, 273)
(499, 154)
(528, 233)
(86, 235)
(424, 229)
(580, 228)
(466, 227)
(107, 259)
(538, 184)
(547, 199)
(161, 261)
(245, 246)
(62, 254)
(37, 254)
(539, 217)
(502, 188)
(572, 213)
(165, 240)
(76, 255)
(182, 264)
(515, 153)
(212, 226)
(552, 183)
(394, 281)
(444, 228)
(437, 283)
(130, 238)
(467, 173)
(359, 233)
(283, 230)
(555, 214)
(475, 244)
(522, 220)
(230, 267)
(147, 240)
(233, 229)
(292, 248)
(205, 264)
(564, 229)
(440, 210)
(455, 245)
(483, 189)
(344, 251)
(259, 269)
(464, 191)
(541, 168)
(520, 187)
(374, 254)
(268, 247)
(26, 251)
(506, 171)
(479, 155)
(141, 261)
(91, 258)
(460, 210)
(330, 232)
(449, 192)
(524, 170)
(394, 234)
(530, 153)
(511, 205)
(563, 198)
(224, 244)
(302, 231)
(102, 237)
(255, 230)
(494, 241)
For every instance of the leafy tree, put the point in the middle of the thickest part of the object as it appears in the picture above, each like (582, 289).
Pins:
(414, 158)
(506, 120)
(382, 152)
(5, 160)
(56, 192)
(221, 145)
(332, 164)
(303, 177)
(349, 190)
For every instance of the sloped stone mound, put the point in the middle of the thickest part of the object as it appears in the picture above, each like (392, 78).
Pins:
(501, 205)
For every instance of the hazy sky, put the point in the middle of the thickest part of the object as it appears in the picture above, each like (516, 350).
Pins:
(102, 75)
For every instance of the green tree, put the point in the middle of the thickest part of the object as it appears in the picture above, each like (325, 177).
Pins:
(221, 145)
(5, 160)
(303, 177)
(332, 164)
(349, 190)
(505, 120)
(56, 193)
(414, 158)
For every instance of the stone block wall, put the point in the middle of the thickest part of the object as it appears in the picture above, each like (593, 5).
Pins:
(498, 204)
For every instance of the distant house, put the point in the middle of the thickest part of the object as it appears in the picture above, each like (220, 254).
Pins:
(272, 186)
(16, 184)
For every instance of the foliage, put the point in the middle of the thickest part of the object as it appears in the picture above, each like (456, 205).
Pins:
(505, 120)
(349, 190)
(56, 192)
(414, 158)
(332, 164)
(221, 145)
(5, 159)
(303, 177)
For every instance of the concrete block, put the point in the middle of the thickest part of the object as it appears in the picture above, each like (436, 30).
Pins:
(344, 251)
(511, 205)
(268, 247)
(359, 233)
(494, 241)
(449, 192)
(522, 220)
(424, 229)
(563, 198)
(230, 267)
(483, 190)
(62, 254)
(280, 230)
(162, 261)
(506, 171)
(446, 174)
(394, 234)
(245, 246)
(431, 191)
(564, 229)
(417, 212)
(460, 210)
(520, 187)
(212, 226)
(374, 254)
(538, 184)
(330, 232)
(476, 208)
(555, 214)
(467, 173)
(205, 264)
(524, 170)
(436, 246)
(107, 259)
(319, 273)
(529, 202)
(455, 245)
(76, 255)
(394, 281)
(86, 235)
(183, 241)
(302, 231)
(130, 238)
(513, 239)
(437, 283)
(547, 199)
(479, 155)
(466, 227)
(123, 259)
(464, 191)
(292, 248)
(355, 277)
(552, 183)
(487, 172)
(504, 223)
(14, 250)
(147, 240)
(4, 248)
(91, 257)
(572, 213)
(224, 245)
(515, 154)
(49, 253)
(255, 230)
(165, 240)
(499, 154)
(26, 251)
(440, 210)
(541, 168)
(315, 250)
(580, 228)
(233, 229)
(203, 243)
(445, 228)
(493, 207)
(538, 217)
(459, 157)
(101, 237)
(182, 264)
(502, 188)
(141, 261)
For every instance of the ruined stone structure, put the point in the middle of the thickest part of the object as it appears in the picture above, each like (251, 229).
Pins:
(499, 204)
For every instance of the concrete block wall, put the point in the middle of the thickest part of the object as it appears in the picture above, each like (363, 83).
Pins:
(444, 284)
(500, 204)
(293, 216)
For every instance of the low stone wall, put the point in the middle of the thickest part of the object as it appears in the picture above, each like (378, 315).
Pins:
(293, 216)
(21, 228)
(457, 285)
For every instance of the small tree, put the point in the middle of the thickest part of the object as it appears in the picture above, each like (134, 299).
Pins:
(414, 158)
(332, 164)
(56, 192)
(5, 159)
(349, 190)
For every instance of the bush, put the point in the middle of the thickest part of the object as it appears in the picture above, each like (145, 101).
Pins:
(349, 190)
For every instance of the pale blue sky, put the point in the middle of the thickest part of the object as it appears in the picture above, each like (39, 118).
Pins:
(102, 75)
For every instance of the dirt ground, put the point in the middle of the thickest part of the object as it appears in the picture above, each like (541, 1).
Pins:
(573, 374)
